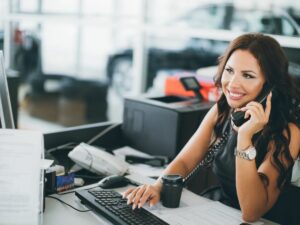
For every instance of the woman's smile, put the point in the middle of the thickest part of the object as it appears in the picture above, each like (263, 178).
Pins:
(235, 95)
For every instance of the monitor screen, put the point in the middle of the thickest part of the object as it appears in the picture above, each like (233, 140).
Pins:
(5, 106)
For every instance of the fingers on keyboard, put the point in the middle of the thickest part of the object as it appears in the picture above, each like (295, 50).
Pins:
(127, 192)
(147, 196)
(139, 195)
(131, 196)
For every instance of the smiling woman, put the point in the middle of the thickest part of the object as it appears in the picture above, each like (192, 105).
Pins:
(242, 78)
(254, 166)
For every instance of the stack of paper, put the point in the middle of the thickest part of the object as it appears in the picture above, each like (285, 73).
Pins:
(20, 177)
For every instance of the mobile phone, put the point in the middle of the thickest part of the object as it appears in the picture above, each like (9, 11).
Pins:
(238, 116)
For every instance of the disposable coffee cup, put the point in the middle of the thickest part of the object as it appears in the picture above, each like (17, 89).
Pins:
(171, 190)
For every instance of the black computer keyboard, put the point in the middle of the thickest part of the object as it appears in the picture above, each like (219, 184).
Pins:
(113, 207)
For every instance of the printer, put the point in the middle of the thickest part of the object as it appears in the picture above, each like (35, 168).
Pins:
(162, 125)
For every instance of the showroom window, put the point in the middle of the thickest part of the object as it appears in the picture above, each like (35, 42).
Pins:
(75, 36)
(133, 44)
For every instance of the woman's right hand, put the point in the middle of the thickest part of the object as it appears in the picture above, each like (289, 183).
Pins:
(138, 196)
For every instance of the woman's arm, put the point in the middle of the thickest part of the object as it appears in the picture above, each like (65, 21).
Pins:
(196, 148)
(192, 153)
(255, 196)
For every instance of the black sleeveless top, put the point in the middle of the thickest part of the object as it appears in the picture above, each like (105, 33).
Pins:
(224, 168)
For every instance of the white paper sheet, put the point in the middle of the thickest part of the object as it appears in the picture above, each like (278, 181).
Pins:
(127, 150)
(46, 163)
(210, 213)
(141, 169)
(194, 209)
(20, 177)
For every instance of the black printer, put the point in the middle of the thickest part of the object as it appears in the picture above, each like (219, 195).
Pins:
(162, 125)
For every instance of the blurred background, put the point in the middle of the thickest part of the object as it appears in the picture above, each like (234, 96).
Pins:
(74, 61)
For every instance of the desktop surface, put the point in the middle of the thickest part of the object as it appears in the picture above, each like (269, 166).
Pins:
(60, 214)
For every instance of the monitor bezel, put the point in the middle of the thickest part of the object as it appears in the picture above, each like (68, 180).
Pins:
(6, 115)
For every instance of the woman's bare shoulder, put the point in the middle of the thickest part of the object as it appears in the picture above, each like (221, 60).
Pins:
(213, 113)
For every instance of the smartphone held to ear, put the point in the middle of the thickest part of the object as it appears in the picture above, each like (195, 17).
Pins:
(238, 117)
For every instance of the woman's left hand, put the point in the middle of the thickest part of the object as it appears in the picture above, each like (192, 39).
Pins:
(259, 117)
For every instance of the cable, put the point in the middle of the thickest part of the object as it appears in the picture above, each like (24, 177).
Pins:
(209, 157)
(102, 133)
(69, 145)
(68, 204)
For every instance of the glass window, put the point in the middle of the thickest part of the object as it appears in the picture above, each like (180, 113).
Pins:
(1, 29)
(28, 6)
(90, 7)
(59, 50)
(60, 6)
(203, 17)
(1, 15)
(287, 28)
(129, 8)
(95, 46)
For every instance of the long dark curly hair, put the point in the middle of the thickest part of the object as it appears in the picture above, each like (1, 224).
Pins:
(274, 65)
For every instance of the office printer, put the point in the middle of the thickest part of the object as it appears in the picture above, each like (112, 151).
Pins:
(162, 125)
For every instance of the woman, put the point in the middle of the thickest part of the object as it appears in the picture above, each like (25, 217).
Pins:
(253, 184)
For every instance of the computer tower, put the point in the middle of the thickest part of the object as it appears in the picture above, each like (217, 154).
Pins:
(163, 125)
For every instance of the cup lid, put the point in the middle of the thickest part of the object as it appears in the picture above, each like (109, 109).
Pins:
(172, 179)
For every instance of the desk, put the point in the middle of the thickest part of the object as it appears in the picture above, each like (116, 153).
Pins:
(57, 213)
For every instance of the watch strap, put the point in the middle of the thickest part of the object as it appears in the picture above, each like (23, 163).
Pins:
(244, 154)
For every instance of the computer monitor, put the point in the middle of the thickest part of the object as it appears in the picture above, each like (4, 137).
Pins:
(6, 116)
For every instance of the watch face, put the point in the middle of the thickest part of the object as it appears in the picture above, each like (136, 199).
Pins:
(251, 153)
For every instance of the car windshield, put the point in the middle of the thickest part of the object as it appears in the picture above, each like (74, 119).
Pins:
(247, 20)
(263, 21)
(210, 16)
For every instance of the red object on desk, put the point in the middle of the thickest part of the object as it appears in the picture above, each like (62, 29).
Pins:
(208, 91)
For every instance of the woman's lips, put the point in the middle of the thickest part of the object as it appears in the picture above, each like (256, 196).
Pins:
(233, 95)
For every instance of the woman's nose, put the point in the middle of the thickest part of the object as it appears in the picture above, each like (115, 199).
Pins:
(234, 81)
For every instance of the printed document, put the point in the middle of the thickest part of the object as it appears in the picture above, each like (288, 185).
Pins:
(210, 213)
(20, 177)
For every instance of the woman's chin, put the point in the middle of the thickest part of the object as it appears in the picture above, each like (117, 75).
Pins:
(234, 105)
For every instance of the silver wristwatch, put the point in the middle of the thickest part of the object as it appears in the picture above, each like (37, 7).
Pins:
(248, 154)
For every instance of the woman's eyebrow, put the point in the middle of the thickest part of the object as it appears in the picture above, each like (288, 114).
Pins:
(248, 71)
(243, 71)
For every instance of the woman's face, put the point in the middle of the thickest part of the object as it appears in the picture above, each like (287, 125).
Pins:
(242, 79)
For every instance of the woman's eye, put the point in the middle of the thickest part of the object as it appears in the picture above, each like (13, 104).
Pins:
(248, 76)
(229, 70)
